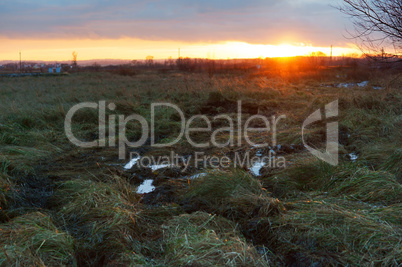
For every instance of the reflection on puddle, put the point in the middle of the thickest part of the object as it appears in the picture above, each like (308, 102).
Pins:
(255, 169)
(349, 85)
(146, 187)
(345, 85)
(131, 163)
(362, 84)
(353, 156)
(198, 175)
(160, 166)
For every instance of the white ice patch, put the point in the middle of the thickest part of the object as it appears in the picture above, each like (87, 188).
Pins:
(131, 163)
(347, 85)
(377, 87)
(146, 187)
(160, 166)
(363, 84)
(198, 175)
(255, 169)
(353, 156)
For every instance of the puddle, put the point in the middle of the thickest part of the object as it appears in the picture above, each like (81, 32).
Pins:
(377, 87)
(198, 175)
(131, 163)
(255, 169)
(195, 176)
(160, 166)
(278, 146)
(353, 156)
(347, 85)
(146, 187)
(362, 84)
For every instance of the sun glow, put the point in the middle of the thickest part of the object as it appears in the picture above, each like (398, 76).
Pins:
(245, 50)
(128, 48)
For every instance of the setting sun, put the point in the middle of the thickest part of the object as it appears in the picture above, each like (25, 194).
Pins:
(246, 50)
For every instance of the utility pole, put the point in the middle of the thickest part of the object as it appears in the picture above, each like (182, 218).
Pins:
(331, 57)
(179, 52)
(20, 62)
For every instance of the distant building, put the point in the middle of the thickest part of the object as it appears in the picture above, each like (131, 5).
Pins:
(54, 69)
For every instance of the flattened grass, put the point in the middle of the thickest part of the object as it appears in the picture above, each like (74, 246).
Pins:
(235, 195)
(202, 239)
(322, 232)
(33, 240)
(103, 217)
(349, 180)
(365, 185)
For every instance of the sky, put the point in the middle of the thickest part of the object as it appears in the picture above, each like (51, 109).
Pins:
(123, 29)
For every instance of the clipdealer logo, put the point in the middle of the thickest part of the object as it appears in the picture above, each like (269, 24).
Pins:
(109, 136)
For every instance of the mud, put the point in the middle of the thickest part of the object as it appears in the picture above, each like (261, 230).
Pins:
(164, 194)
(30, 193)
(218, 104)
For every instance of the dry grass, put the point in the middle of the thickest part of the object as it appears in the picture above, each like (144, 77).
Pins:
(202, 239)
(321, 232)
(235, 195)
(307, 214)
(33, 240)
(362, 184)
(104, 217)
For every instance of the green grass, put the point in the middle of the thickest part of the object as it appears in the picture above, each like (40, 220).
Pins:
(103, 217)
(235, 195)
(309, 213)
(321, 231)
(365, 185)
(202, 239)
(32, 239)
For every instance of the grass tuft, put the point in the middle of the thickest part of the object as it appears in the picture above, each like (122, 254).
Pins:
(235, 195)
(102, 216)
(202, 239)
(322, 232)
(365, 185)
(33, 240)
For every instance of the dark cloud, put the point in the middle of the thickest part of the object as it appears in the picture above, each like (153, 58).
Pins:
(254, 21)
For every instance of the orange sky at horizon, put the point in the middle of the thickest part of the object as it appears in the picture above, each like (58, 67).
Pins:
(130, 48)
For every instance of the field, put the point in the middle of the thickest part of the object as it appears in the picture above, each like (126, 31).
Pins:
(63, 205)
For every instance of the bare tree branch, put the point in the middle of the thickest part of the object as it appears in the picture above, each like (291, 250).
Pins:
(377, 24)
